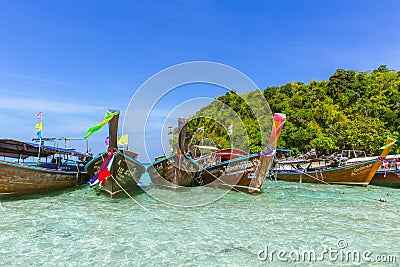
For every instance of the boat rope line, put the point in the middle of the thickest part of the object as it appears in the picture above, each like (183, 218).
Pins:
(301, 172)
(232, 187)
(383, 207)
(340, 190)
(390, 211)
(115, 180)
(134, 200)
(78, 173)
(315, 178)
(225, 183)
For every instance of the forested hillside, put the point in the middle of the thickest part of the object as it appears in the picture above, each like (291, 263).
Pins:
(232, 109)
(349, 110)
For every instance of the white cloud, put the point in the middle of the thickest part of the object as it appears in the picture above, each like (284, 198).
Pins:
(38, 80)
(45, 105)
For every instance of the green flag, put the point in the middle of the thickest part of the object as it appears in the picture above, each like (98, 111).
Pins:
(98, 126)
(392, 139)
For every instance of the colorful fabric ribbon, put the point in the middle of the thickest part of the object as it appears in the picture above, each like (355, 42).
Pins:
(98, 126)
(104, 172)
(393, 141)
(277, 118)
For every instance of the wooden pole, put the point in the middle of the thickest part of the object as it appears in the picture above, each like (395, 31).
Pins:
(275, 134)
(181, 135)
(113, 132)
(40, 142)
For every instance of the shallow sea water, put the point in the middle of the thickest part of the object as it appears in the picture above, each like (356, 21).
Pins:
(81, 228)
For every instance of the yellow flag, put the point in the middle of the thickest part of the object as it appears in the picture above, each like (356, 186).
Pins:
(123, 139)
(38, 126)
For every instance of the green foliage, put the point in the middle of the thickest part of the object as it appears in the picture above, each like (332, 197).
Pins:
(396, 149)
(350, 110)
(250, 124)
(324, 144)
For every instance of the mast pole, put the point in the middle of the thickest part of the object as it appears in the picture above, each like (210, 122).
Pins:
(40, 140)
(113, 132)
(181, 135)
(202, 142)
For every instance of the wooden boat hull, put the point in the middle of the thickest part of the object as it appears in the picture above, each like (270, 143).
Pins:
(126, 173)
(389, 178)
(245, 174)
(359, 174)
(21, 179)
(173, 171)
(236, 169)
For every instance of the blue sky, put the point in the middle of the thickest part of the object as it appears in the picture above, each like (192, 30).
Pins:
(73, 59)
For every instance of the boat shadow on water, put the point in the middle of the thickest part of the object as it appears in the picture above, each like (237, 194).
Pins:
(128, 193)
(54, 193)
(164, 187)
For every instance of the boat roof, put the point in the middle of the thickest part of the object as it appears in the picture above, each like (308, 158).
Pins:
(389, 157)
(18, 149)
(207, 147)
(360, 159)
(298, 161)
(231, 151)
(284, 149)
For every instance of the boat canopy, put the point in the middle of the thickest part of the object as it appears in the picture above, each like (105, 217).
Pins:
(284, 150)
(18, 149)
(207, 147)
(389, 157)
(299, 161)
(356, 160)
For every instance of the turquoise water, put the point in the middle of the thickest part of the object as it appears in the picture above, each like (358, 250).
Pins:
(81, 228)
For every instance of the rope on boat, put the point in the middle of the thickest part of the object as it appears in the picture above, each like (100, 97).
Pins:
(78, 178)
(315, 178)
(115, 180)
(302, 172)
(231, 186)
(390, 211)
(332, 185)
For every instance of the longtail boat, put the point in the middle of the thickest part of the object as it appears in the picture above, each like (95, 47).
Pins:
(29, 168)
(388, 174)
(116, 170)
(235, 169)
(317, 171)
(177, 169)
